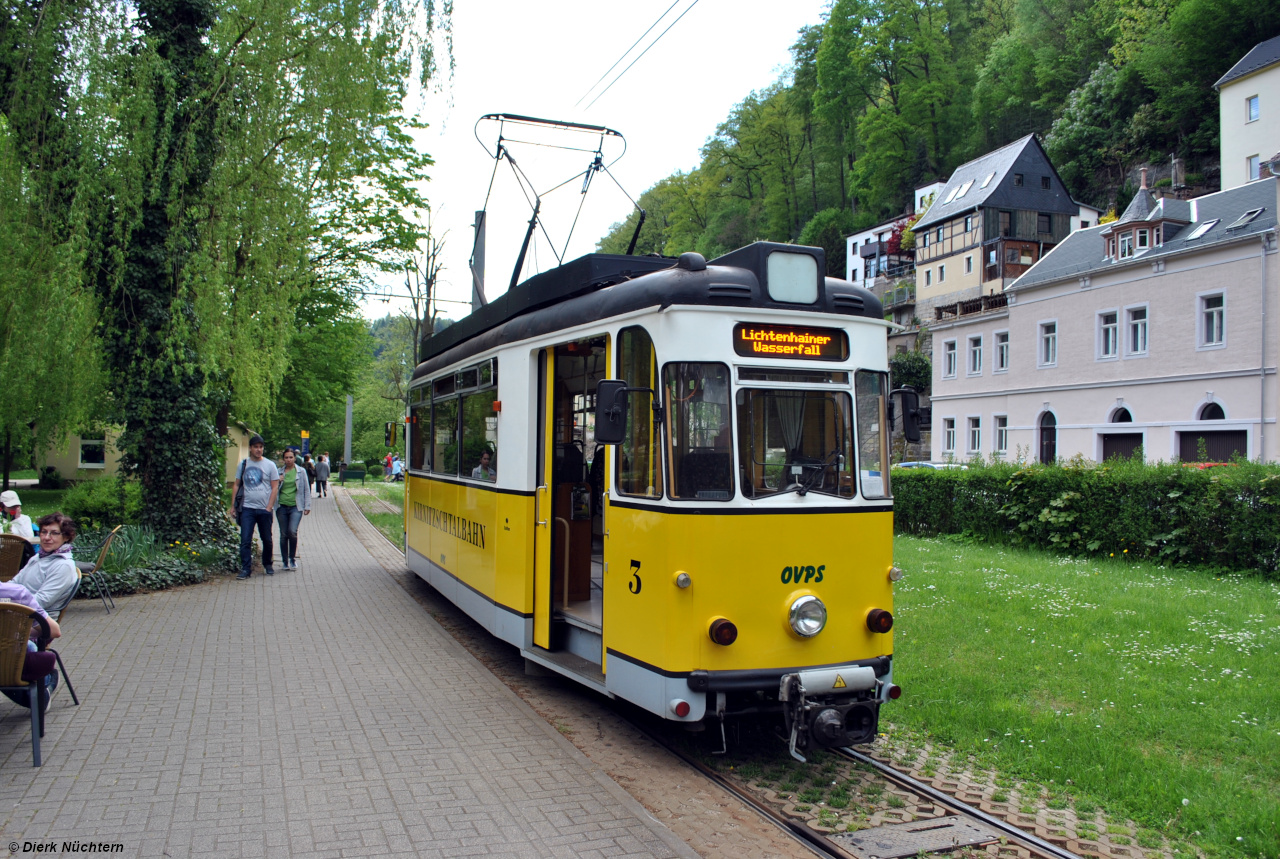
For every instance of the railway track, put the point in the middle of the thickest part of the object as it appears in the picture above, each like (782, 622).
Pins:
(960, 825)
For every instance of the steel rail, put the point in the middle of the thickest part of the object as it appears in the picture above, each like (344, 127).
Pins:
(948, 801)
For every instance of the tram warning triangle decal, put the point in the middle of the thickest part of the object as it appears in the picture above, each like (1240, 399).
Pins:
(839, 684)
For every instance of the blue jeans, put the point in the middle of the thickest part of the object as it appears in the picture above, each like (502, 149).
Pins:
(289, 519)
(248, 518)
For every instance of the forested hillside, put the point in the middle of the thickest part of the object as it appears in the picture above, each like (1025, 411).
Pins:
(885, 95)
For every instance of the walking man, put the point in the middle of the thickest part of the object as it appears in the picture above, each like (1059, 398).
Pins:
(261, 481)
(322, 475)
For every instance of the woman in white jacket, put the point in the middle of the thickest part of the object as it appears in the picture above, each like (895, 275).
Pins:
(292, 504)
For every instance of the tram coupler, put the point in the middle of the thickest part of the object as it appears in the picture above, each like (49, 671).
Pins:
(824, 720)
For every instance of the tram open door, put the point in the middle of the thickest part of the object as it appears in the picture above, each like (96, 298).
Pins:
(568, 576)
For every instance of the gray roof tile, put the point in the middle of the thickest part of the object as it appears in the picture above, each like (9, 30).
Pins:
(1022, 156)
(1082, 252)
(1262, 55)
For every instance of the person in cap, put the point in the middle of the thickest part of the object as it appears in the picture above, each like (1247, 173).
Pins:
(51, 575)
(20, 523)
(261, 481)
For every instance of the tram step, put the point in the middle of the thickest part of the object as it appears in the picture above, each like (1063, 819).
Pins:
(569, 664)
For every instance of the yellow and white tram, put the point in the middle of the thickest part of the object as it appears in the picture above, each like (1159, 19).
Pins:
(668, 480)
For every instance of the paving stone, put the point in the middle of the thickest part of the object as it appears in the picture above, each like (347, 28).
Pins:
(318, 712)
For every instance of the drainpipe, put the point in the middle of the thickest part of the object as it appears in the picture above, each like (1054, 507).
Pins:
(1262, 367)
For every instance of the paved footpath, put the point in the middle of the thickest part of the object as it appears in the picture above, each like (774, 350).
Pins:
(316, 713)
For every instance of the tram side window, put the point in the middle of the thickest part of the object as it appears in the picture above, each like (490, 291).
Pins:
(639, 459)
(444, 456)
(701, 446)
(790, 440)
(419, 434)
(480, 436)
(871, 390)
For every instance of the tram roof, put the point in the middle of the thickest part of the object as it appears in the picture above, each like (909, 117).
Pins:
(600, 286)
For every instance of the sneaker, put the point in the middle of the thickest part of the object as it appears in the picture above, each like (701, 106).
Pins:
(52, 683)
(270, 571)
(244, 575)
(293, 565)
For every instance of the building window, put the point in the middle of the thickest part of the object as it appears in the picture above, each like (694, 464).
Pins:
(968, 223)
(942, 273)
(1252, 168)
(1044, 183)
(949, 435)
(1044, 223)
(1002, 351)
(93, 453)
(975, 356)
(1212, 320)
(1048, 344)
(1002, 433)
(1011, 255)
(1251, 112)
(1156, 236)
(1126, 245)
(1111, 248)
(1109, 334)
(1084, 225)
(949, 359)
(1144, 238)
(975, 435)
(939, 234)
(1006, 224)
(924, 240)
(968, 264)
(1138, 331)
(928, 277)
(1017, 180)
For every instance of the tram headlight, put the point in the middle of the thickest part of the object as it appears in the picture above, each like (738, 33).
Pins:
(808, 616)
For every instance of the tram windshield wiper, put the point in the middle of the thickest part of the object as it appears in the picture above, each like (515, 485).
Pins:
(803, 485)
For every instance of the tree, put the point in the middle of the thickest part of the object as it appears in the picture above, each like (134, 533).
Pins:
(911, 368)
(828, 230)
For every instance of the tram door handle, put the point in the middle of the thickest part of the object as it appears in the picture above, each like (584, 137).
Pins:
(538, 503)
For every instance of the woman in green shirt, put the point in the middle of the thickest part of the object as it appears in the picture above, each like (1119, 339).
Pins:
(294, 503)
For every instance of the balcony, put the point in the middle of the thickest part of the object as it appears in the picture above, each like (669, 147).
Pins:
(898, 296)
(984, 304)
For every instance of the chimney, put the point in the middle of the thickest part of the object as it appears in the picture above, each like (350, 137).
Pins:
(1143, 185)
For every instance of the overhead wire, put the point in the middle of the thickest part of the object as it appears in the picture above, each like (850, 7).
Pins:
(627, 51)
(642, 53)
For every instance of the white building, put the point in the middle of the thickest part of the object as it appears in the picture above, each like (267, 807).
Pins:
(1157, 330)
(1249, 107)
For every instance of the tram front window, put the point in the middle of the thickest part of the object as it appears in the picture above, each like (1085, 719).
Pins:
(795, 441)
(698, 433)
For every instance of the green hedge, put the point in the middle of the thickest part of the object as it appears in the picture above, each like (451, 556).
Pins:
(1226, 517)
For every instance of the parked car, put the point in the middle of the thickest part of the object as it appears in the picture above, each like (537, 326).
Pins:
(925, 464)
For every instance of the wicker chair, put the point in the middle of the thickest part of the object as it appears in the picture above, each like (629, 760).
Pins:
(94, 572)
(23, 672)
(11, 549)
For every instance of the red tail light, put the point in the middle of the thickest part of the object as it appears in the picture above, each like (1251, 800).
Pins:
(879, 620)
(723, 631)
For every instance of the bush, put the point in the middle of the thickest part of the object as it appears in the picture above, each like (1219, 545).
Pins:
(50, 478)
(375, 470)
(139, 562)
(1225, 517)
(104, 503)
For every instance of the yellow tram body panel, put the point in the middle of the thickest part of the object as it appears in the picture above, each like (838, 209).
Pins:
(481, 537)
(736, 576)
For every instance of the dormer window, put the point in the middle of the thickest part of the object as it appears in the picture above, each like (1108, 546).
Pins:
(1156, 236)
(1202, 229)
(1111, 248)
(1144, 239)
(1126, 245)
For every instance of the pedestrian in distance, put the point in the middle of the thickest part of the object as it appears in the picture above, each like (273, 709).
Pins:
(386, 469)
(310, 466)
(322, 475)
(397, 468)
(261, 481)
(295, 502)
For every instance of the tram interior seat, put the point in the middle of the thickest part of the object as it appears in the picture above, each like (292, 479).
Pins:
(706, 474)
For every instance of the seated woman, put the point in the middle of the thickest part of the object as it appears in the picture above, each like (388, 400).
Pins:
(20, 523)
(51, 575)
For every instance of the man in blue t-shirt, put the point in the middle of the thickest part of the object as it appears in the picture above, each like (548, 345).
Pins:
(261, 481)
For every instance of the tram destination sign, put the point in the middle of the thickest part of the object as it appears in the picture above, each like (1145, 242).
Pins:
(753, 340)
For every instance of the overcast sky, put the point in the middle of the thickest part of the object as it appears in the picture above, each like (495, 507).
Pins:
(539, 59)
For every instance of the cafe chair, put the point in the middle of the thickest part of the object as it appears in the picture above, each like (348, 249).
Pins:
(23, 672)
(11, 549)
(94, 572)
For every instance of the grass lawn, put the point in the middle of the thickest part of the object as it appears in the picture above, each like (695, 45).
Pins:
(39, 502)
(390, 524)
(1150, 691)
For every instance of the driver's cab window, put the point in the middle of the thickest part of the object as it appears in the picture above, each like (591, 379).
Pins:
(795, 440)
(698, 424)
(639, 459)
